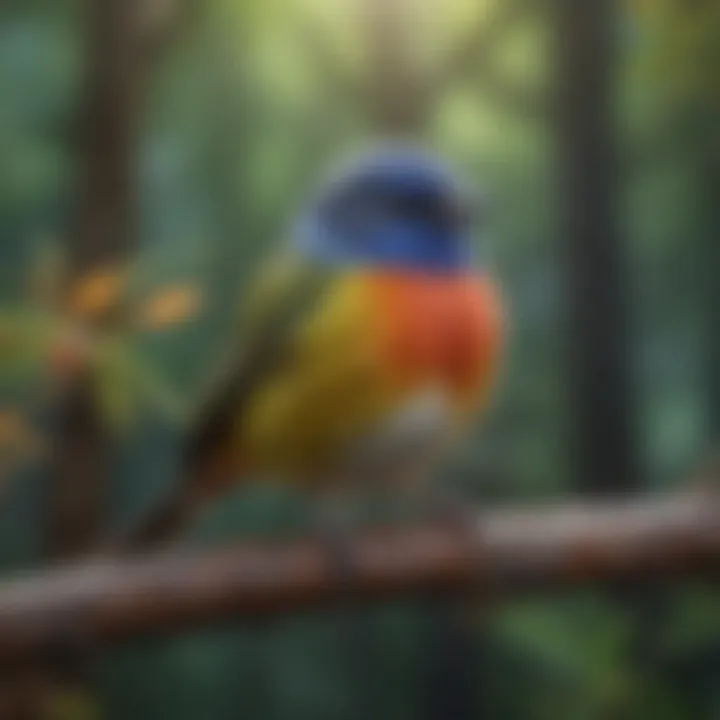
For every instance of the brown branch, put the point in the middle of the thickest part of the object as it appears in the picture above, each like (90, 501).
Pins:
(513, 550)
(119, 33)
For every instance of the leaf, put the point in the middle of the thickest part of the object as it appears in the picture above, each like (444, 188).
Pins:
(115, 384)
(170, 307)
(98, 292)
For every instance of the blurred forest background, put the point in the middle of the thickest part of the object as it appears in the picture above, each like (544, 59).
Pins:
(182, 137)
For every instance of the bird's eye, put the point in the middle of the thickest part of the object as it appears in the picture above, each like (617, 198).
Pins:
(417, 206)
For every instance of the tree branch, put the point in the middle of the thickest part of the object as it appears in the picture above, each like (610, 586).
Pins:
(104, 236)
(119, 36)
(512, 551)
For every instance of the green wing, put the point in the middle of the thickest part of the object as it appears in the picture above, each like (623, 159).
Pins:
(283, 290)
(283, 293)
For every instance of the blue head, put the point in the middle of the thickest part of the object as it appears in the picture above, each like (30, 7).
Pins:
(397, 209)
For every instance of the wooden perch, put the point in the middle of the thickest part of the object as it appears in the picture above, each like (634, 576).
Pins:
(512, 550)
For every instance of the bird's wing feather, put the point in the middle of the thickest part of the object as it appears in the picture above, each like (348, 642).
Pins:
(282, 294)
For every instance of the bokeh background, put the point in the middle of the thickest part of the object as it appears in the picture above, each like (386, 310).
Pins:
(594, 129)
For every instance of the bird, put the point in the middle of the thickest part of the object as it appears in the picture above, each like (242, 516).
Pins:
(369, 343)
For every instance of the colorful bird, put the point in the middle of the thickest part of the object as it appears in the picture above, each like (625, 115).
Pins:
(369, 344)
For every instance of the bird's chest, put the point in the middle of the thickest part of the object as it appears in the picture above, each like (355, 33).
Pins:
(384, 365)
(432, 330)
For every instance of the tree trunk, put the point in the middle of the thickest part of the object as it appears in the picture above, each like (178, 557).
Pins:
(76, 506)
(601, 403)
(76, 502)
(602, 407)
